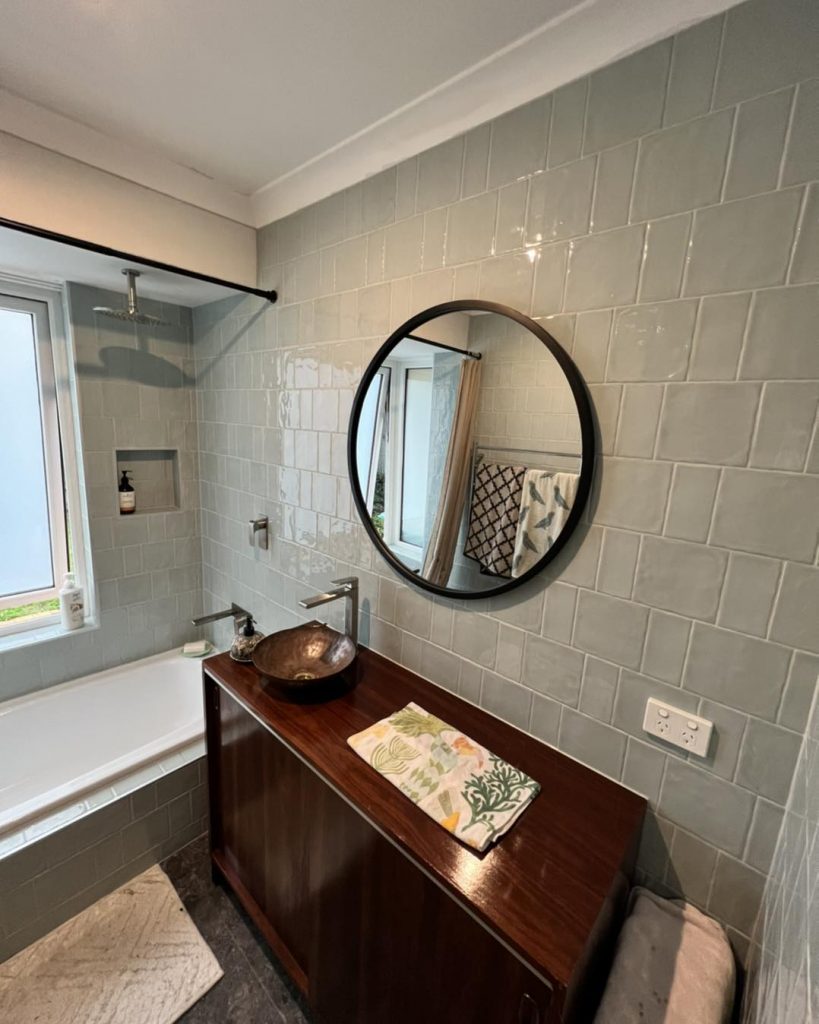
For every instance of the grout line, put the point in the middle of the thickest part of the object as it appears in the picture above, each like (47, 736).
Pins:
(729, 156)
(786, 144)
(800, 223)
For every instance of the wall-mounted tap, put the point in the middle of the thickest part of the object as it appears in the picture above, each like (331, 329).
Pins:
(238, 614)
(348, 589)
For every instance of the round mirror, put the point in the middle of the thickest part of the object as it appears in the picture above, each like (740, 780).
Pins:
(471, 448)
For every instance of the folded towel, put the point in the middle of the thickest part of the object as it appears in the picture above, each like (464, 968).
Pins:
(459, 783)
(493, 517)
(545, 504)
(673, 965)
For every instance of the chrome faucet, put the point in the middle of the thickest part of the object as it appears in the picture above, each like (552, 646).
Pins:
(239, 615)
(346, 588)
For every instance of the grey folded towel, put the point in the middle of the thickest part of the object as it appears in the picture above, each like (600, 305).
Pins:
(672, 965)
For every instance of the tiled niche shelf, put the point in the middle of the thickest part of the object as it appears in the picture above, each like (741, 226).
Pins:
(154, 475)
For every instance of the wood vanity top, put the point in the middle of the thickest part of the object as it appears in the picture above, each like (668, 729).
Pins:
(544, 888)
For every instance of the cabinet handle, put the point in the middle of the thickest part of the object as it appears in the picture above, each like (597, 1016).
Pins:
(529, 1011)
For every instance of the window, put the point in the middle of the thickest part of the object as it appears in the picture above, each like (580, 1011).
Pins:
(35, 537)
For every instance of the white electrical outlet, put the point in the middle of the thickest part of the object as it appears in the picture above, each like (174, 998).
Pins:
(678, 727)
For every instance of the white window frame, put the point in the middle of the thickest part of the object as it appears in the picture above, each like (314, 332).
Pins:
(62, 455)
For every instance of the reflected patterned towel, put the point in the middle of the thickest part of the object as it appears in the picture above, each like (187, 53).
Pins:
(462, 785)
(547, 499)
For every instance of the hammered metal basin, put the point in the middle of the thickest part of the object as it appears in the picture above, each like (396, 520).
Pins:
(304, 656)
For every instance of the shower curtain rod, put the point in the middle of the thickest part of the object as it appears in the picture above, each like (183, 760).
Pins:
(129, 257)
(449, 348)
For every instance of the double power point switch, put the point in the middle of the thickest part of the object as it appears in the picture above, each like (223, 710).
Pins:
(680, 728)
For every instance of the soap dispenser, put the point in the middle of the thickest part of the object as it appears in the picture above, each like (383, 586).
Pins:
(244, 642)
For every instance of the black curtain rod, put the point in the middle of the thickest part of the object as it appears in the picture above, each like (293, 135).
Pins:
(449, 348)
(129, 257)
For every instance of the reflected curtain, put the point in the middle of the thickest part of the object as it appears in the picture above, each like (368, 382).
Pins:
(443, 537)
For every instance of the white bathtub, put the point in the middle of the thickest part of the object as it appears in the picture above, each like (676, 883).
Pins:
(65, 742)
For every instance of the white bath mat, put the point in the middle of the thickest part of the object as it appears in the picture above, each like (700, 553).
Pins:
(134, 957)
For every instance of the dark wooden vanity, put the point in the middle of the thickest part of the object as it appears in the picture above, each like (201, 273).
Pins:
(377, 913)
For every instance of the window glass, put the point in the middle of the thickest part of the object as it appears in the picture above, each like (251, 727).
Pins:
(417, 409)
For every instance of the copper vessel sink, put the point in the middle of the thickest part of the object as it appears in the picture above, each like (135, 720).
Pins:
(304, 656)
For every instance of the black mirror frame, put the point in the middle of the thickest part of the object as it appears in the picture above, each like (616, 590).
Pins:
(587, 442)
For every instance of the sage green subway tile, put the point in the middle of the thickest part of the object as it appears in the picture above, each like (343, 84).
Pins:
(577, 562)
(626, 99)
(652, 342)
(666, 644)
(439, 175)
(553, 669)
(693, 68)
(475, 637)
(406, 187)
(592, 742)
(753, 504)
(666, 245)
(519, 142)
(403, 243)
(786, 417)
(610, 628)
(762, 838)
(767, 45)
(509, 661)
(591, 343)
(759, 138)
(599, 688)
(718, 337)
(431, 288)
(618, 560)
(711, 808)
(740, 671)
(508, 279)
(476, 161)
(742, 244)
(680, 577)
(794, 621)
(691, 502)
(668, 180)
(726, 740)
(736, 895)
(511, 216)
(413, 612)
(708, 422)
(560, 202)
(790, 315)
(507, 700)
(643, 769)
(435, 222)
(802, 159)
(545, 721)
(550, 276)
(612, 193)
(558, 615)
(633, 692)
(799, 690)
(750, 588)
(606, 400)
(330, 220)
(632, 494)
(805, 266)
(568, 112)
(768, 759)
(603, 269)
(378, 200)
(690, 868)
(471, 228)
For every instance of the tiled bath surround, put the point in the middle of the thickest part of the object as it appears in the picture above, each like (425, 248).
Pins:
(136, 391)
(55, 878)
(661, 218)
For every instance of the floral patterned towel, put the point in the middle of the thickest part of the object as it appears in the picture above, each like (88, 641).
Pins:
(463, 786)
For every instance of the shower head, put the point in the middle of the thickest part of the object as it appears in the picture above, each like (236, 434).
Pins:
(131, 314)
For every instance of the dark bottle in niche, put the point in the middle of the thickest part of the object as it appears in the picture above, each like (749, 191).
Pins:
(127, 495)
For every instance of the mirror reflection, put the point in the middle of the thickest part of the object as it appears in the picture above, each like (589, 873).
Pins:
(468, 451)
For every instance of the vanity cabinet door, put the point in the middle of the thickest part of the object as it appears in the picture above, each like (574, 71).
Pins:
(390, 945)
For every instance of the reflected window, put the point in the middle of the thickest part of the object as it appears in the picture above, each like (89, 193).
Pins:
(415, 453)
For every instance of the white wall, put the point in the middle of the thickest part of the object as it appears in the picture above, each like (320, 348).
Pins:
(48, 190)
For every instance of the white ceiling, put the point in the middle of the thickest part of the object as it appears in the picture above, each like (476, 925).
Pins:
(278, 103)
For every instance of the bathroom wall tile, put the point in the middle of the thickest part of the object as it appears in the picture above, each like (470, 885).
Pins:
(794, 620)
(726, 741)
(475, 637)
(603, 269)
(509, 661)
(766, 46)
(378, 200)
(592, 742)
(511, 216)
(402, 248)
(471, 228)
(743, 244)
(799, 690)
(550, 277)
(805, 265)
(789, 314)
(553, 670)
(739, 671)
(413, 612)
(625, 480)
(680, 577)
(693, 67)
(626, 98)
(718, 337)
(737, 894)
(666, 244)
(708, 423)
(802, 159)
(643, 769)
(476, 161)
(759, 137)
(714, 810)
(691, 502)
(768, 758)
(519, 142)
(606, 400)
(439, 175)
(568, 112)
(558, 614)
(599, 688)
(691, 865)
(508, 701)
(560, 202)
(591, 343)
(545, 721)
(666, 644)
(610, 628)
(630, 705)
(750, 588)
(612, 194)
(508, 279)
(618, 559)
(764, 832)
(652, 342)
(668, 181)
(752, 505)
